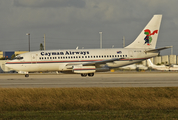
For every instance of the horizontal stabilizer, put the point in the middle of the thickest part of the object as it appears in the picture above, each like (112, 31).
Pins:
(157, 50)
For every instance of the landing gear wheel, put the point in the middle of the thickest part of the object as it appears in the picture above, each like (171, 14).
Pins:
(90, 74)
(83, 75)
(26, 75)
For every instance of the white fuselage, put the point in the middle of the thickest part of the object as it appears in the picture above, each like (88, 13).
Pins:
(163, 67)
(61, 60)
(166, 68)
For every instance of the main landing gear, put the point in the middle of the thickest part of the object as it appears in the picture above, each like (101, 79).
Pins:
(89, 74)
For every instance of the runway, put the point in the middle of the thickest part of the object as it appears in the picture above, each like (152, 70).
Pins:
(137, 79)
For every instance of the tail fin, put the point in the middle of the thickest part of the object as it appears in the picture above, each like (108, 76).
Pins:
(148, 36)
(150, 64)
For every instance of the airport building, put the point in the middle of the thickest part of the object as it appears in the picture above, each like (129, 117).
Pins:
(8, 54)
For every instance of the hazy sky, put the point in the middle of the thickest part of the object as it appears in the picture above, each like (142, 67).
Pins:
(72, 23)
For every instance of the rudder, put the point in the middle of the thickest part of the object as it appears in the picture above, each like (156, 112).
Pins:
(148, 37)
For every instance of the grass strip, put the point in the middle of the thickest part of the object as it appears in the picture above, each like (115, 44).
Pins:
(92, 115)
(87, 99)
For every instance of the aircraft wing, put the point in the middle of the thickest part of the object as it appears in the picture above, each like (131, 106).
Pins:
(102, 62)
(158, 49)
(69, 66)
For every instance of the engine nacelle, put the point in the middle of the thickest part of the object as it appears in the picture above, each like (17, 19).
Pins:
(22, 72)
(84, 69)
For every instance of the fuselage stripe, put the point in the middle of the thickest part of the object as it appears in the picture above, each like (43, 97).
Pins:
(40, 62)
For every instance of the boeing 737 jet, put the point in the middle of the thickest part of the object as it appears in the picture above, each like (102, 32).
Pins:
(88, 61)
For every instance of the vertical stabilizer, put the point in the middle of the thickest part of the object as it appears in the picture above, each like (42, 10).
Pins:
(150, 64)
(148, 37)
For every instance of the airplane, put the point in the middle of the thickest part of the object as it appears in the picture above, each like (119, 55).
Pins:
(141, 67)
(161, 67)
(157, 67)
(173, 67)
(134, 67)
(129, 67)
(88, 61)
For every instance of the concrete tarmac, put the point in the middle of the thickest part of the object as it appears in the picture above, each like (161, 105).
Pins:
(117, 79)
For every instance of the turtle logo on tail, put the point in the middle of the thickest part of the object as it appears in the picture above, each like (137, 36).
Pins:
(148, 37)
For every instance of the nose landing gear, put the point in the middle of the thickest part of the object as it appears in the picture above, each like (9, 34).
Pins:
(26, 75)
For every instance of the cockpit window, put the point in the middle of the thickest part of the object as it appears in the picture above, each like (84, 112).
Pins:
(18, 58)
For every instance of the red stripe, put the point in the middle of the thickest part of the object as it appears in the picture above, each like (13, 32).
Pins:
(70, 61)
